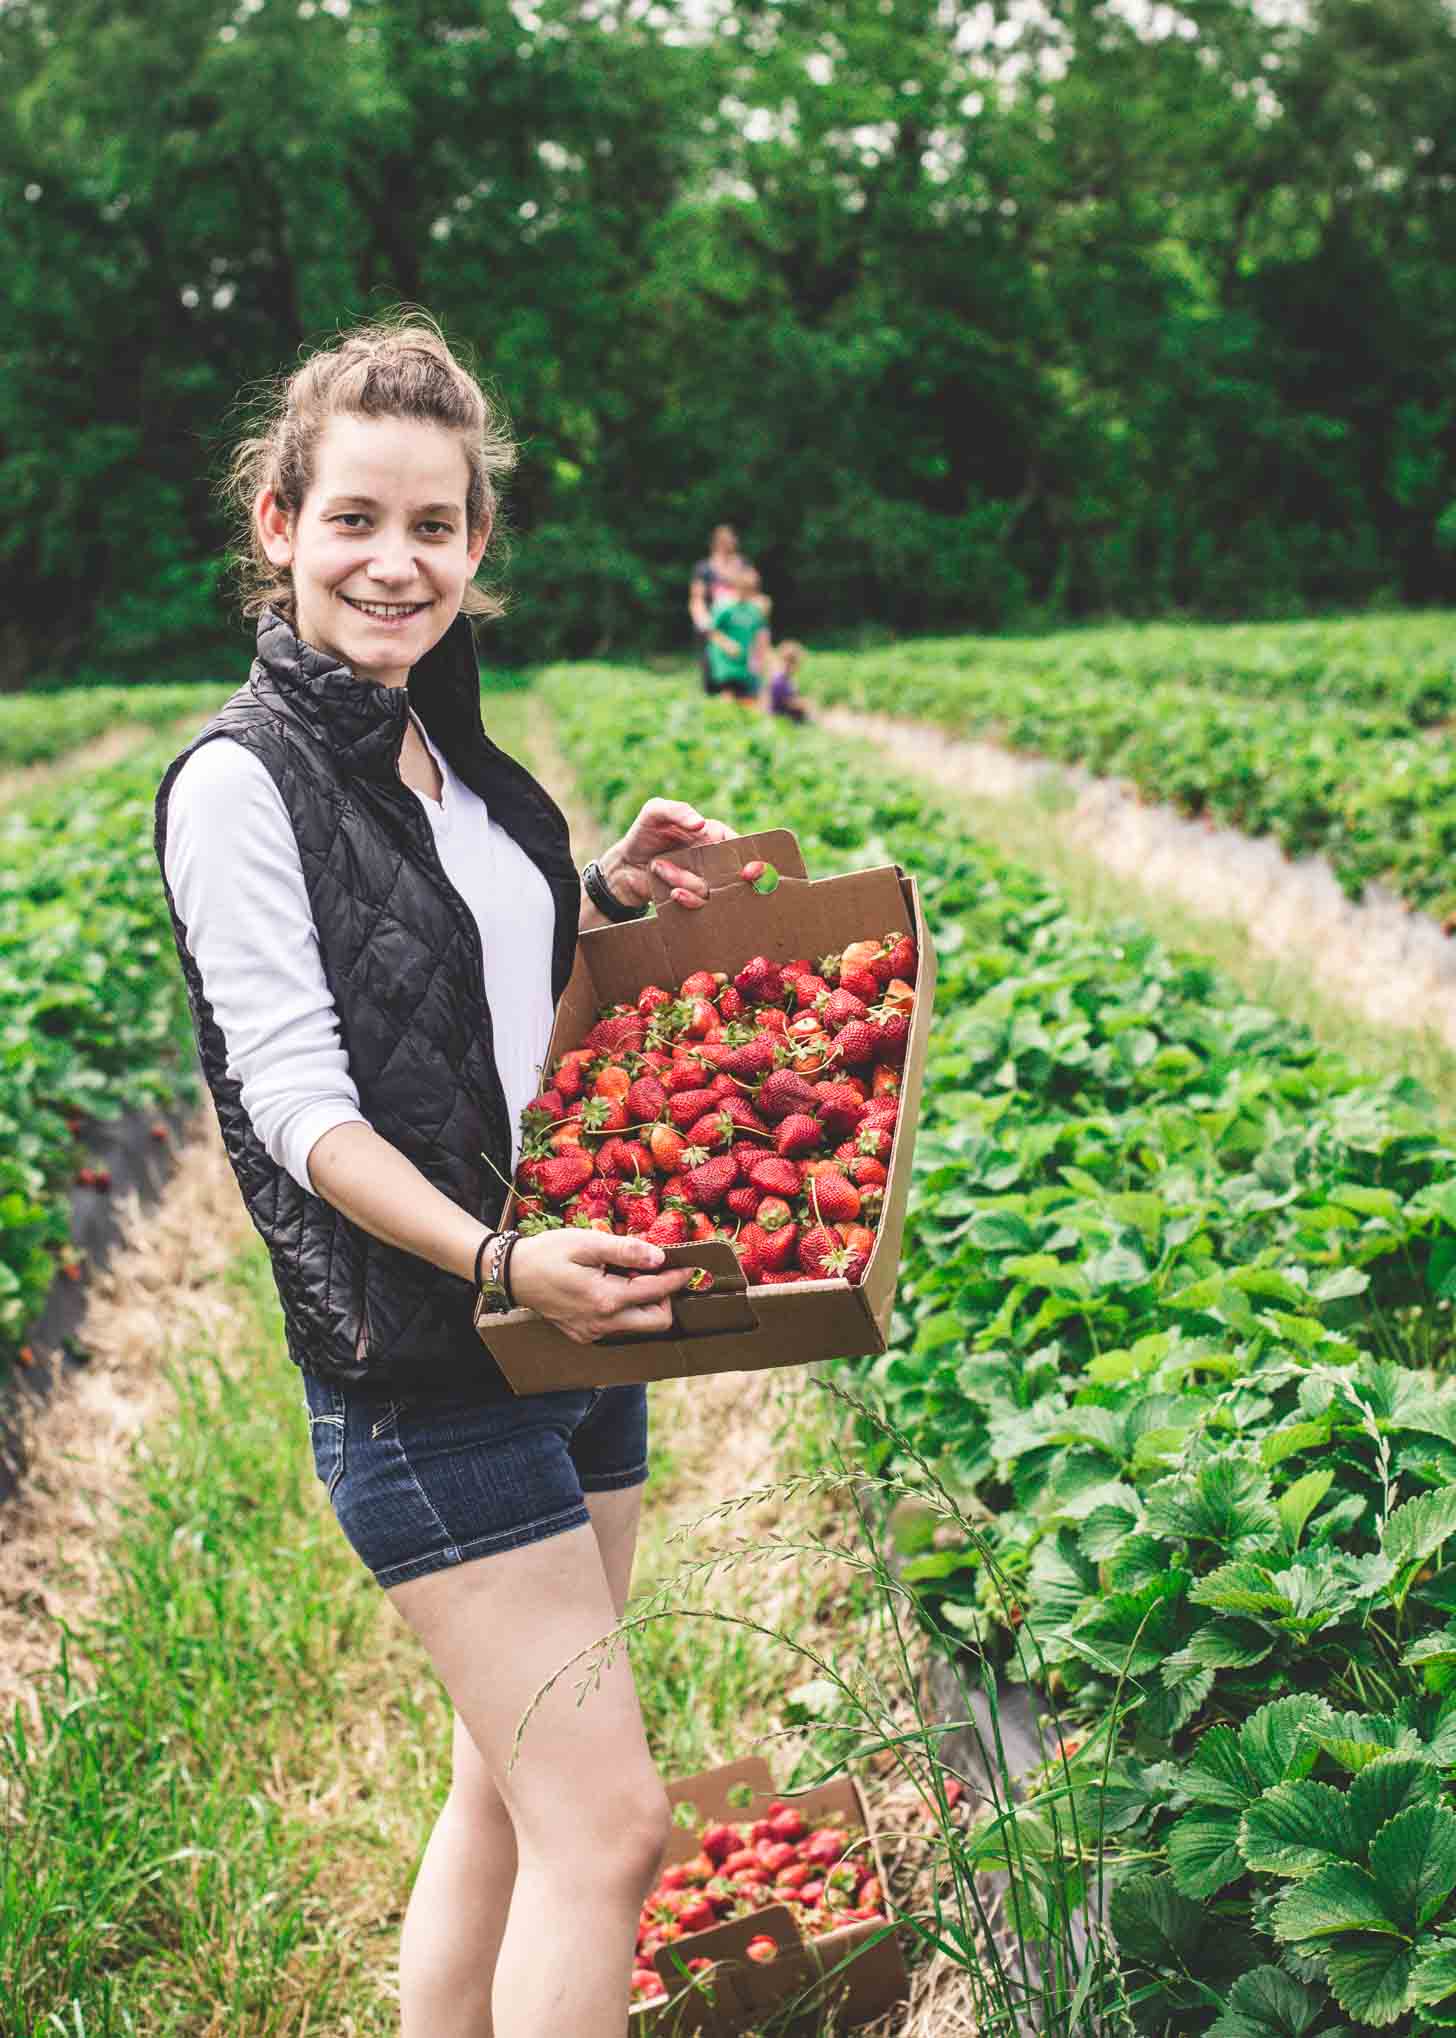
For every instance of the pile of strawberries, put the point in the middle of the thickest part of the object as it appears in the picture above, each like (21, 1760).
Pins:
(824, 1874)
(759, 1109)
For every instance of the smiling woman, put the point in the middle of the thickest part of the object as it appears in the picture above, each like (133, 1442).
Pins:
(376, 910)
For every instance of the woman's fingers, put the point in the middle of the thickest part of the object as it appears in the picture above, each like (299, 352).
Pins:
(643, 1288)
(632, 1322)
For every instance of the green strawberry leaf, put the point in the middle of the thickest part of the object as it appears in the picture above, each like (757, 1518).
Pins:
(1154, 1924)
(1295, 1828)
(1355, 1740)
(1433, 1978)
(1417, 1530)
(1220, 1773)
(1276, 1739)
(1370, 1979)
(1341, 1898)
(1298, 1502)
(1413, 1859)
(1389, 1786)
(1267, 2004)
(1203, 1852)
(1227, 1502)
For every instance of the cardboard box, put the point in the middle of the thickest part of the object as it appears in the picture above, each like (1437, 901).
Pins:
(733, 1328)
(859, 1967)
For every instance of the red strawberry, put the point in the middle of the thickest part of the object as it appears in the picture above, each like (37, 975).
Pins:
(701, 984)
(570, 1077)
(666, 1147)
(756, 1057)
(885, 1081)
(564, 1174)
(646, 1100)
(862, 1168)
(684, 1073)
(781, 1244)
(898, 960)
(623, 1157)
(834, 1199)
(860, 981)
(840, 1108)
(650, 997)
(675, 1188)
(719, 1842)
(605, 1114)
(856, 1043)
(731, 1003)
(723, 1085)
(703, 1019)
(632, 1200)
(826, 1846)
(773, 1213)
(669, 1227)
(697, 1914)
(808, 990)
(774, 1175)
(841, 1007)
(760, 981)
(710, 1183)
(798, 1133)
(749, 1246)
(783, 1092)
(762, 1949)
(894, 1032)
(550, 1105)
(742, 1113)
(746, 1152)
(685, 1106)
(744, 1200)
(714, 1130)
(815, 1247)
(770, 1019)
(788, 1823)
(623, 1033)
(783, 1280)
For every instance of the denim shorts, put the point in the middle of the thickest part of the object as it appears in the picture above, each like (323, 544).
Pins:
(419, 1485)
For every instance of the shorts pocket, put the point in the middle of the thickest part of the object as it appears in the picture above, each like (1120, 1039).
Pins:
(326, 1425)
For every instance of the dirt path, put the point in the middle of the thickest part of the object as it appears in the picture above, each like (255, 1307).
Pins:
(114, 747)
(158, 1298)
(1378, 957)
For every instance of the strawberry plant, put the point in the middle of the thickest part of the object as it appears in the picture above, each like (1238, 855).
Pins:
(36, 728)
(93, 1018)
(1330, 738)
(1175, 1304)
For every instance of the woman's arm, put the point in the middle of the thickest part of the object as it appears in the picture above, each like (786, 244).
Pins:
(562, 1275)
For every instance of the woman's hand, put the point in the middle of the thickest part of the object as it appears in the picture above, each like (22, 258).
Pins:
(565, 1276)
(662, 826)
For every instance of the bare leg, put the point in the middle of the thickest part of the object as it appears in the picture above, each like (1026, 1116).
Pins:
(457, 1908)
(586, 1805)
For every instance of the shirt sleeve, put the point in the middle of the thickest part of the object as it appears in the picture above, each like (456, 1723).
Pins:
(232, 863)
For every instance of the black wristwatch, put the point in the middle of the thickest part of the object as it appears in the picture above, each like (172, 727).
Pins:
(605, 899)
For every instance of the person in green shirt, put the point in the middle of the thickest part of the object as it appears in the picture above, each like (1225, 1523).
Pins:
(738, 640)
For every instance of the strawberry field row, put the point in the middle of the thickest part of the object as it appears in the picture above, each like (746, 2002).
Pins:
(1176, 1300)
(93, 1016)
(36, 728)
(1352, 776)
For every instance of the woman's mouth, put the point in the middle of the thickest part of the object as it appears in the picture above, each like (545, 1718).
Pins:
(385, 611)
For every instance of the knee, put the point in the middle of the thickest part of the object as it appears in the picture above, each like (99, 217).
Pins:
(620, 1839)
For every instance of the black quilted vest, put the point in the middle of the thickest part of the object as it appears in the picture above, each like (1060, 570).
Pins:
(401, 952)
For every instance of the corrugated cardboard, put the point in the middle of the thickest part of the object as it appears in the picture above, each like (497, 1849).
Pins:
(732, 1329)
(864, 1960)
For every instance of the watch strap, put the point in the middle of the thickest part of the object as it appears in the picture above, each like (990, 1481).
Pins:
(605, 899)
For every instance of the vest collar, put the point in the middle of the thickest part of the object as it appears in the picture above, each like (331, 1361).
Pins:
(361, 722)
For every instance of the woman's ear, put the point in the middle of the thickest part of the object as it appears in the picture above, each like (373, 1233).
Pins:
(275, 528)
(475, 550)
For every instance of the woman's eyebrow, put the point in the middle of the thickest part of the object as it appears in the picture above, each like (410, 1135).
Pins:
(428, 509)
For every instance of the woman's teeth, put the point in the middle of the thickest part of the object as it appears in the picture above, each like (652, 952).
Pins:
(385, 612)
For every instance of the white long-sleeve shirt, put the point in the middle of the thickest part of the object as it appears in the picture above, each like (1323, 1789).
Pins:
(232, 862)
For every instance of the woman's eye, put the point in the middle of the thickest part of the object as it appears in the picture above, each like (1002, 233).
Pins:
(351, 518)
(436, 529)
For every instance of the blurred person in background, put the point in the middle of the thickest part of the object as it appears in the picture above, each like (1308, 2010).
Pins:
(738, 638)
(712, 583)
(784, 697)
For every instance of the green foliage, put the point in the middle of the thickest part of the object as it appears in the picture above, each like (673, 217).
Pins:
(1172, 1326)
(93, 1014)
(1082, 317)
(38, 727)
(1328, 737)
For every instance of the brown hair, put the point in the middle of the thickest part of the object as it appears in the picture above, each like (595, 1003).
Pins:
(398, 366)
(790, 652)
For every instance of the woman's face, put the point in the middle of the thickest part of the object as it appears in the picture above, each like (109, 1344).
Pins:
(379, 550)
